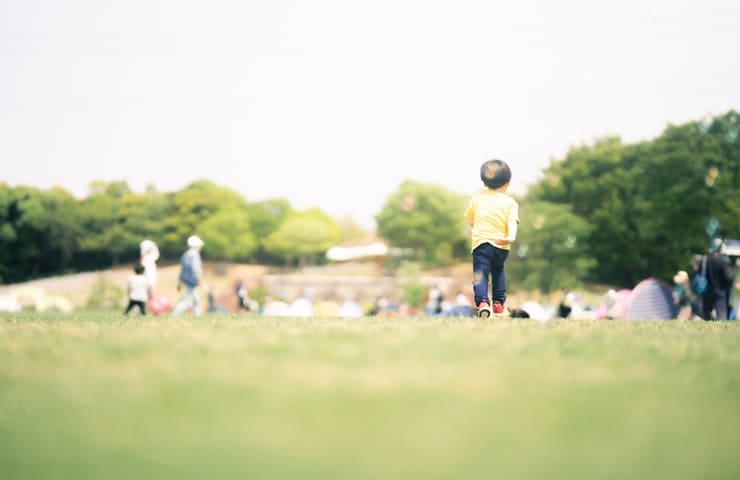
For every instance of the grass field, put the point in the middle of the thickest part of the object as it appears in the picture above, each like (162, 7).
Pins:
(108, 397)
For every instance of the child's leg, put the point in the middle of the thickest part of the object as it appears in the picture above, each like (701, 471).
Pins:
(498, 275)
(129, 307)
(481, 270)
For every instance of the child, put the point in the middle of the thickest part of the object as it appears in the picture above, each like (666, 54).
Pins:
(139, 290)
(494, 218)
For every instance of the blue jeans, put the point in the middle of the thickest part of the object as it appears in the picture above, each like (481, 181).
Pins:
(189, 299)
(489, 260)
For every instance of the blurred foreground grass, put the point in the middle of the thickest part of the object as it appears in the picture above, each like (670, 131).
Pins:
(233, 397)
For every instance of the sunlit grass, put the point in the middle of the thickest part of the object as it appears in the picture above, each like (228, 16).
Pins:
(96, 396)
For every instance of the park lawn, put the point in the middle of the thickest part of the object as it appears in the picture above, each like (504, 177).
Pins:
(104, 396)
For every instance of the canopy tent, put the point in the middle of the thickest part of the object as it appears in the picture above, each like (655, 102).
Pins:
(731, 248)
(365, 248)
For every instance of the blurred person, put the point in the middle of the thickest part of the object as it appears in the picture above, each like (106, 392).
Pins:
(571, 306)
(302, 307)
(274, 307)
(719, 279)
(191, 276)
(614, 305)
(350, 308)
(462, 300)
(148, 256)
(683, 296)
(735, 291)
(494, 218)
(242, 295)
(213, 307)
(434, 301)
(461, 307)
(139, 290)
(697, 265)
(565, 306)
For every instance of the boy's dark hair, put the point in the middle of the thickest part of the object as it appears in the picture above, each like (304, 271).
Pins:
(495, 173)
(139, 268)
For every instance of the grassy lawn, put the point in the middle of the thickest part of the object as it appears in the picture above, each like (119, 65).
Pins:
(107, 397)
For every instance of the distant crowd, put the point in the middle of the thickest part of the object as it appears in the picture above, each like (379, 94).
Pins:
(710, 292)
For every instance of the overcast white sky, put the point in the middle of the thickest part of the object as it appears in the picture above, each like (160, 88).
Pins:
(333, 103)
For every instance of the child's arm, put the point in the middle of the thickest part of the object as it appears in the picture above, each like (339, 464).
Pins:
(512, 228)
(469, 213)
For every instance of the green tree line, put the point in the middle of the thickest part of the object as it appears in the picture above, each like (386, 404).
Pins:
(608, 212)
(48, 232)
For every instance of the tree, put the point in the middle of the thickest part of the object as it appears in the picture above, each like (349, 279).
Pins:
(62, 231)
(8, 234)
(266, 216)
(39, 233)
(549, 252)
(228, 235)
(426, 218)
(649, 203)
(108, 239)
(190, 210)
(304, 236)
(350, 229)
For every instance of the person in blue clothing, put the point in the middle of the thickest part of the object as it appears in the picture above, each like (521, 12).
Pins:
(191, 277)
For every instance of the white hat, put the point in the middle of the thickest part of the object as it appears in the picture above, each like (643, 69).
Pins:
(195, 242)
(147, 246)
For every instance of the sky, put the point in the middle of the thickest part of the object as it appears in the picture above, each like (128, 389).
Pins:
(334, 103)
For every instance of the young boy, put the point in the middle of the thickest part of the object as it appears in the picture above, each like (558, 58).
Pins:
(494, 218)
(139, 289)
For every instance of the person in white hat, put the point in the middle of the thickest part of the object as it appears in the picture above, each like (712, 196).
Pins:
(191, 276)
(682, 295)
(149, 254)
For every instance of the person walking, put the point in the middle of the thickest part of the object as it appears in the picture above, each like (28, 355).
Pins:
(719, 278)
(735, 289)
(191, 277)
(148, 256)
(494, 218)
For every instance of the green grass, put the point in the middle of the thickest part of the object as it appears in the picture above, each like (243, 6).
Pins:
(224, 397)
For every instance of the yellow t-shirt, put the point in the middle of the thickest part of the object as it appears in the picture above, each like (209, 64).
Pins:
(490, 212)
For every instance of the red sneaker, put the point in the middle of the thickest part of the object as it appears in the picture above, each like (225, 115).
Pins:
(484, 311)
(498, 308)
